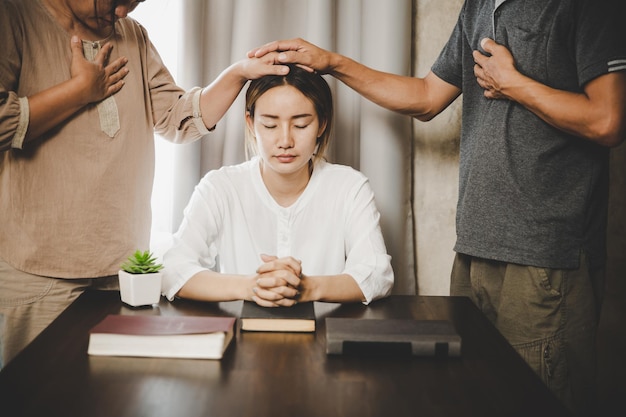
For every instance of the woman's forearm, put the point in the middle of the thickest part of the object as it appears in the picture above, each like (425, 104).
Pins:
(330, 288)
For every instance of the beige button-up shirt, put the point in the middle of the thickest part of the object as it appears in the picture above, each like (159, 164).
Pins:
(76, 201)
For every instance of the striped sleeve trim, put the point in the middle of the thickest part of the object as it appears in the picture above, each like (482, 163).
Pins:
(617, 65)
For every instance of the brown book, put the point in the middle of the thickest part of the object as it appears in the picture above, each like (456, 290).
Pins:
(297, 318)
(391, 336)
(161, 336)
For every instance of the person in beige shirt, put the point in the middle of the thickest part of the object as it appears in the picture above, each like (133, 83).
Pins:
(82, 92)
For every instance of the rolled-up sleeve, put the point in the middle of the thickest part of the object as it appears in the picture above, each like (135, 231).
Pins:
(367, 260)
(183, 123)
(14, 117)
(14, 110)
(176, 112)
(194, 248)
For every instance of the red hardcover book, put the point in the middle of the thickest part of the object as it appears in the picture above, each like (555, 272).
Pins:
(195, 337)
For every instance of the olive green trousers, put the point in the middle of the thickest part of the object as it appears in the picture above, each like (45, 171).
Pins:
(550, 317)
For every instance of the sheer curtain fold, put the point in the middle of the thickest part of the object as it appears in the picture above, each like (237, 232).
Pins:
(217, 33)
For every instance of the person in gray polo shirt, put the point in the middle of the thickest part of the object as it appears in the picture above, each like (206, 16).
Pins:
(544, 98)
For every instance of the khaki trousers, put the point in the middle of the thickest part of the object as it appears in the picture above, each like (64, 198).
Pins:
(549, 316)
(29, 303)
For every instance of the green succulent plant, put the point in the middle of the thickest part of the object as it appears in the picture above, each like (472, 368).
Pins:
(141, 262)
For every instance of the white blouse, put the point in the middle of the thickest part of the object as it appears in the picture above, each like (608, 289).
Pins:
(231, 219)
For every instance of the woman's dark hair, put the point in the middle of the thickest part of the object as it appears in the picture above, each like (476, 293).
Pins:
(312, 85)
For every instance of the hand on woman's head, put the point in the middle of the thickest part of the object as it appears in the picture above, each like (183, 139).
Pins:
(253, 68)
(296, 51)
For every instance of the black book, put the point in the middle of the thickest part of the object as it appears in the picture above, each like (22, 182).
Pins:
(391, 336)
(298, 318)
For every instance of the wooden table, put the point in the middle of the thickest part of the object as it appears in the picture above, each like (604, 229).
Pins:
(273, 374)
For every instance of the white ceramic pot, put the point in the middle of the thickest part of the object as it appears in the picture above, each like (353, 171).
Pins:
(140, 289)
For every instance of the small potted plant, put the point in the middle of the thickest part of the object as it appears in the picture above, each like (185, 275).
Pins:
(140, 279)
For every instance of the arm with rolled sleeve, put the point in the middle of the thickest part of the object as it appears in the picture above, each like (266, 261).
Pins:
(176, 113)
(14, 110)
(196, 112)
(192, 269)
(367, 274)
(367, 260)
(194, 249)
(14, 113)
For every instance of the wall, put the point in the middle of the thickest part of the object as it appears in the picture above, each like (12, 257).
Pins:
(436, 150)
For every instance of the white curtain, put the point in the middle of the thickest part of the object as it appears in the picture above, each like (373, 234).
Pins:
(216, 33)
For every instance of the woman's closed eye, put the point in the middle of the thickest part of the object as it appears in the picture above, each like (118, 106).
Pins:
(266, 126)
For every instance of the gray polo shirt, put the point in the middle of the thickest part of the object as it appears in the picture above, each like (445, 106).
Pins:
(529, 193)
